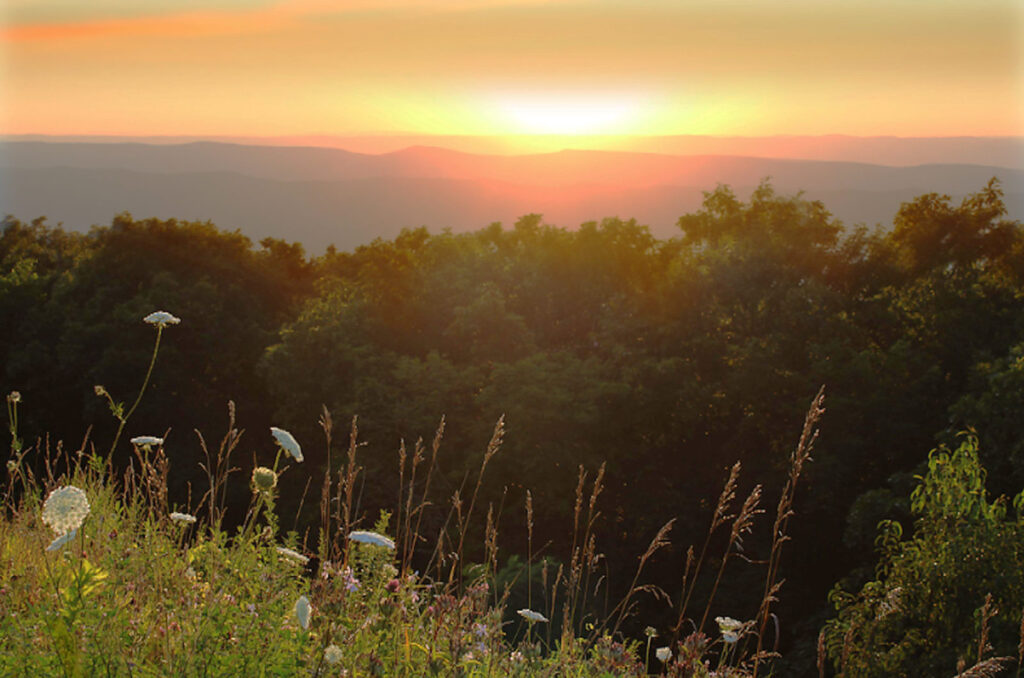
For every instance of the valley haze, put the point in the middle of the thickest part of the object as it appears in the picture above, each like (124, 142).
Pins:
(324, 195)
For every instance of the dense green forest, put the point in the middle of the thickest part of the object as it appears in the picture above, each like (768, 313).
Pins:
(666, 361)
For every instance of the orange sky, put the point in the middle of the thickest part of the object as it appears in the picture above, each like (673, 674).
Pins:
(725, 67)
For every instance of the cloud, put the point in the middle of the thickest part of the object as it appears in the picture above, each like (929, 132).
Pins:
(60, 19)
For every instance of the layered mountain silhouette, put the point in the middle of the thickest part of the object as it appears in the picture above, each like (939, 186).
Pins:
(322, 196)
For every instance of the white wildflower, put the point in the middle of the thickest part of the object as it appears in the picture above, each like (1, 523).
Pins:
(531, 616)
(371, 538)
(14, 397)
(294, 555)
(663, 654)
(332, 655)
(730, 628)
(147, 441)
(161, 319)
(303, 610)
(65, 509)
(61, 540)
(287, 442)
(183, 517)
(264, 479)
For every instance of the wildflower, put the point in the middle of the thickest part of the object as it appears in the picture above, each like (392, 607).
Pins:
(372, 538)
(531, 616)
(161, 319)
(349, 579)
(99, 390)
(287, 442)
(147, 441)
(14, 397)
(303, 610)
(332, 655)
(61, 540)
(183, 517)
(730, 628)
(890, 604)
(516, 657)
(65, 509)
(393, 585)
(294, 555)
(663, 654)
(264, 479)
(650, 632)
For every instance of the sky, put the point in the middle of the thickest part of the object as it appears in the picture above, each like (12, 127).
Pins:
(513, 67)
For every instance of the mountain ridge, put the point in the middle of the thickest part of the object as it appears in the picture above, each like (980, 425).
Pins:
(325, 196)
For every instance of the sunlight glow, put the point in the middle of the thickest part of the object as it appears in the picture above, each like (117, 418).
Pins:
(569, 115)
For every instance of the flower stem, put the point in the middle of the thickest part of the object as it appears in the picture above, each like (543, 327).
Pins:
(145, 382)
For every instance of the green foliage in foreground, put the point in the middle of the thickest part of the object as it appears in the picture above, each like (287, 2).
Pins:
(140, 591)
(949, 596)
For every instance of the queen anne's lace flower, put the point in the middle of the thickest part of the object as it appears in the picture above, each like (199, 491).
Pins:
(332, 655)
(371, 538)
(183, 517)
(61, 540)
(161, 319)
(531, 616)
(65, 509)
(730, 628)
(287, 442)
(303, 610)
(146, 441)
(294, 555)
(264, 479)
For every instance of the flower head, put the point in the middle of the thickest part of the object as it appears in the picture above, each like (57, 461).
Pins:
(303, 610)
(183, 517)
(730, 628)
(348, 577)
(65, 509)
(372, 538)
(332, 655)
(61, 540)
(287, 442)
(293, 555)
(264, 479)
(146, 441)
(14, 397)
(531, 616)
(161, 319)
(663, 654)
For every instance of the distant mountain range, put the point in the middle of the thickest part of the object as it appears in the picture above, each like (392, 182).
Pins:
(322, 196)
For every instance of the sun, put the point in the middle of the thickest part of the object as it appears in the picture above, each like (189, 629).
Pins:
(567, 114)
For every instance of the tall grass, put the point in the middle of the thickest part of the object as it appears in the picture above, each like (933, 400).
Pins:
(143, 590)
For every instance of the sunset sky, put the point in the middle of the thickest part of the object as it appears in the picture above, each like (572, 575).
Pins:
(483, 67)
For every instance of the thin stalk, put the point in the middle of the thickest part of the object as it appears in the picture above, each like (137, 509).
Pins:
(145, 383)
